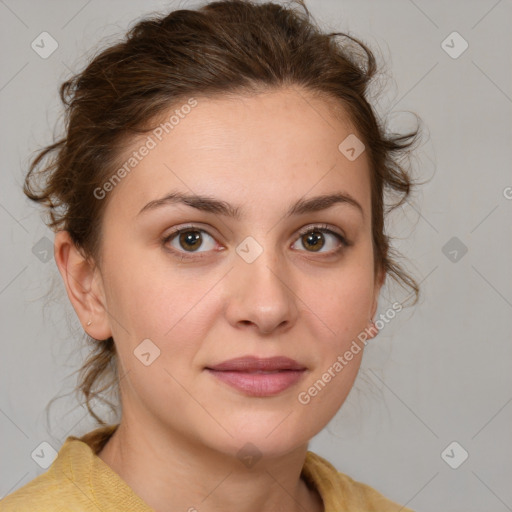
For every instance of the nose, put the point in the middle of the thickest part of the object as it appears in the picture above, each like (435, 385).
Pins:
(261, 296)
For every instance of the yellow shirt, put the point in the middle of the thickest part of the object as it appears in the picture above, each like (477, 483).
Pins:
(79, 481)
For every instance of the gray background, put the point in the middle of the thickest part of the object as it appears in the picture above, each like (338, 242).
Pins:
(439, 372)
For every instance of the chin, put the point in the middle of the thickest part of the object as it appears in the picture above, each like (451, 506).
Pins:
(265, 434)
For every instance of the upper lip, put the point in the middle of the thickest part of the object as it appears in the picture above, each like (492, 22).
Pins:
(252, 363)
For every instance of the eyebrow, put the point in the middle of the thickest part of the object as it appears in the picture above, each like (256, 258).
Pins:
(218, 207)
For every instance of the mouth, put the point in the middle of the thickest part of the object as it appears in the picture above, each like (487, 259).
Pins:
(259, 377)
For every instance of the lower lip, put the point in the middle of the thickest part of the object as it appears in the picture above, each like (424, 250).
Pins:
(259, 384)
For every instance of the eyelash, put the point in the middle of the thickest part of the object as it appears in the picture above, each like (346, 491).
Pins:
(187, 256)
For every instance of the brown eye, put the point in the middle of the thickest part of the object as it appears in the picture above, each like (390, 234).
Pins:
(316, 238)
(313, 240)
(190, 240)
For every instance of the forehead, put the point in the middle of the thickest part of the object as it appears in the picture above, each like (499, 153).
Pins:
(273, 147)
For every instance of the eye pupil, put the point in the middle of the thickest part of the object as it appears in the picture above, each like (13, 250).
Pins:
(190, 239)
(313, 238)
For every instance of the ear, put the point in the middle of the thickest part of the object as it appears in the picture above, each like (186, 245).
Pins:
(84, 286)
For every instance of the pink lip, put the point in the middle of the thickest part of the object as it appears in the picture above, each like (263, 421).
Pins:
(259, 377)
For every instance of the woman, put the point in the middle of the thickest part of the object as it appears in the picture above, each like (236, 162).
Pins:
(218, 201)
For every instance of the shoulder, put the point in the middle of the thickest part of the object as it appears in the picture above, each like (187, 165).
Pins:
(341, 492)
(45, 493)
(77, 480)
(66, 484)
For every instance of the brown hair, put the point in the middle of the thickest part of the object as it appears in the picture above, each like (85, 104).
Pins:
(230, 47)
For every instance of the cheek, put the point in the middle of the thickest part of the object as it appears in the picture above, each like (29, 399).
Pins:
(343, 300)
(341, 307)
(345, 303)
(136, 299)
(138, 285)
(169, 305)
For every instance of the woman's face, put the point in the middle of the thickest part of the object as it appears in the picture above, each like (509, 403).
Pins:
(238, 286)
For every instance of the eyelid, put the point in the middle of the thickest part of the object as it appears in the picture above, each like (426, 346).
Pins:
(324, 228)
(189, 227)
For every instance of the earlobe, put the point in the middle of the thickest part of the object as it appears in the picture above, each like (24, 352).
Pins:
(83, 286)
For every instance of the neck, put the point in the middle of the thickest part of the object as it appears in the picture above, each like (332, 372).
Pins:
(170, 471)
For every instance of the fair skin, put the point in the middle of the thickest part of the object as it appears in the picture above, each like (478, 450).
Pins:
(181, 427)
